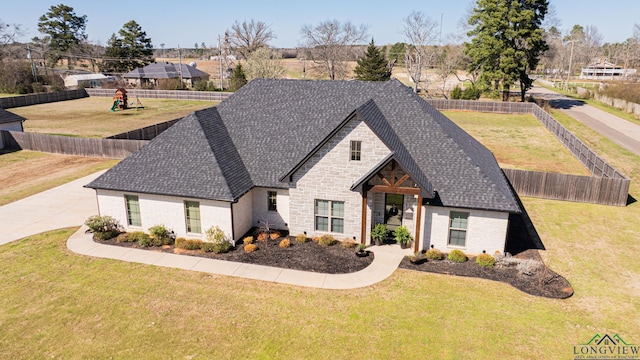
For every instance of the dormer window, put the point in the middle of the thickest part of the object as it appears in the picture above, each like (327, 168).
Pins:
(356, 150)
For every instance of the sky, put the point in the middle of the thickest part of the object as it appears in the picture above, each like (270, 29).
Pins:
(185, 23)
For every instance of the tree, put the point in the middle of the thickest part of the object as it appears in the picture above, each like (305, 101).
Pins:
(420, 32)
(250, 36)
(63, 30)
(330, 43)
(373, 66)
(264, 63)
(8, 35)
(506, 42)
(396, 53)
(131, 50)
(238, 78)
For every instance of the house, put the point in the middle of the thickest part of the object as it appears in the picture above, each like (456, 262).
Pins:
(86, 80)
(316, 157)
(602, 69)
(9, 122)
(156, 72)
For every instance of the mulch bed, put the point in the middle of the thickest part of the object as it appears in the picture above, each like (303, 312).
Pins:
(544, 282)
(309, 256)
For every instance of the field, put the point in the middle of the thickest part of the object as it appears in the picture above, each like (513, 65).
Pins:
(56, 304)
(519, 142)
(91, 117)
(24, 173)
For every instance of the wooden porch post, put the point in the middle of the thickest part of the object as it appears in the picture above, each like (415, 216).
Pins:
(418, 221)
(363, 229)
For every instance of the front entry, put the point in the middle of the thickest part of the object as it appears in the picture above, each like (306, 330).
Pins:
(393, 204)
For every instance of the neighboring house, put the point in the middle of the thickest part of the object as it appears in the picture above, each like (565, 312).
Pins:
(152, 73)
(10, 122)
(316, 157)
(602, 69)
(86, 80)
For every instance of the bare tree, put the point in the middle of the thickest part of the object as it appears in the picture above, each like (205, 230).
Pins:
(330, 43)
(250, 36)
(264, 63)
(420, 32)
(8, 35)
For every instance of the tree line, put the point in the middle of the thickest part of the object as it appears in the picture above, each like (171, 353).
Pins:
(507, 42)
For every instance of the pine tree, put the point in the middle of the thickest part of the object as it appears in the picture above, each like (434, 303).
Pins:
(238, 78)
(132, 49)
(373, 66)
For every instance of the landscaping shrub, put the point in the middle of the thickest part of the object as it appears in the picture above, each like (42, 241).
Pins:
(274, 235)
(361, 247)
(103, 227)
(433, 254)
(207, 246)
(285, 243)
(189, 244)
(216, 248)
(247, 240)
(250, 248)
(122, 238)
(457, 256)
(485, 260)
(263, 236)
(327, 240)
(162, 235)
(148, 241)
(215, 234)
(348, 243)
(138, 236)
(301, 238)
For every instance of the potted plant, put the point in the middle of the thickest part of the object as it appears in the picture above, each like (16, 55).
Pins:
(361, 250)
(379, 233)
(403, 237)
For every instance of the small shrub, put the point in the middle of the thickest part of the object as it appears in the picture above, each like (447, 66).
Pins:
(301, 238)
(274, 235)
(250, 248)
(103, 227)
(433, 254)
(315, 239)
(122, 238)
(285, 243)
(361, 247)
(159, 231)
(456, 93)
(327, 240)
(216, 248)
(348, 243)
(418, 256)
(207, 246)
(457, 256)
(247, 240)
(148, 241)
(485, 260)
(138, 236)
(263, 236)
(189, 244)
(215, 235)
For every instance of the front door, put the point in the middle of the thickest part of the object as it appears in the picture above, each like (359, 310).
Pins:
(393, 204)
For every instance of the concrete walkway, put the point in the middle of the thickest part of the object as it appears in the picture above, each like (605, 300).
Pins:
(386, 261)
(71, 204)
(620, 131)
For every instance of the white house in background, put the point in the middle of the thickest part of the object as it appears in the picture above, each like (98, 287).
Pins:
(316, 157)
(10, 122)
(86, 80)
(602, 69)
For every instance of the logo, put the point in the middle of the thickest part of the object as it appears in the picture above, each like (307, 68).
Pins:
(607, 347)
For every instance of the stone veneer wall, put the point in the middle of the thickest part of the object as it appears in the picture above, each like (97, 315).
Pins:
(329, 175)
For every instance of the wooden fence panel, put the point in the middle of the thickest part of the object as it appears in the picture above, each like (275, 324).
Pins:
(106, 148)
(164, 94)
(41, 98)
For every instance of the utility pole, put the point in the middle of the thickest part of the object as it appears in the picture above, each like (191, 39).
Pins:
(180, 65)
(33, 67)
(566, 87)
(220, 61)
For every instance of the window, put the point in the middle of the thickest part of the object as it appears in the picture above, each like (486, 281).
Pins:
(133, 210)
(272, 203)
(356, 150)
(458, 228)
(192, 212)
(329, 213)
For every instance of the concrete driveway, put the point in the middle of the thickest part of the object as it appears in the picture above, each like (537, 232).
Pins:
(620, 131)
(66, 205)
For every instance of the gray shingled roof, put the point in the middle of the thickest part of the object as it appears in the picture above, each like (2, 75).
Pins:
(8, 117)
(261, 133)
(165, 70)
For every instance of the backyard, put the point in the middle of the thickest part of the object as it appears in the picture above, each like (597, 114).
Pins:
(57, 304)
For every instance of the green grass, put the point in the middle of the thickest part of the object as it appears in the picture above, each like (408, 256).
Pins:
(91, 117)
(518, 141)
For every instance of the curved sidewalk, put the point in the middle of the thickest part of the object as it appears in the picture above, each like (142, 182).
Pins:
(386, 261)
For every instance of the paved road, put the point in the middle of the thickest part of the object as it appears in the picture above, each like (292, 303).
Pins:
(620, 131)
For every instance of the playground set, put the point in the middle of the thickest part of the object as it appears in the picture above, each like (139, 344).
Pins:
(120, 101)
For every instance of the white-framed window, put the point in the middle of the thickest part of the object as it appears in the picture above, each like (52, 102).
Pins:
(272, 202)
(133, 210)
(356, 150)
(329, 215)
(458, 228)
(192, 215)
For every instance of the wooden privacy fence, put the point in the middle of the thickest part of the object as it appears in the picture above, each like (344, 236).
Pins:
(145, 133)
(163, 94)
(41, 98)
(608, 186)
(105, 148)
(588, 189)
